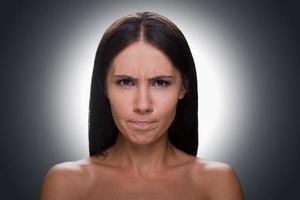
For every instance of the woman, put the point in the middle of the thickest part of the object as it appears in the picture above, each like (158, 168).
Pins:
(143, 124)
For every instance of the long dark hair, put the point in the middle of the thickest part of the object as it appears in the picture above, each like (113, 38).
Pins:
(160, 32)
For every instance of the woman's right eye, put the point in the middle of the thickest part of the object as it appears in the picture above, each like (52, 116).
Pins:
(124, 82)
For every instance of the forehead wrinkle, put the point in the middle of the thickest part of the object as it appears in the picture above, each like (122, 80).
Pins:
(147, 74)
(139, 70)
(136, 60)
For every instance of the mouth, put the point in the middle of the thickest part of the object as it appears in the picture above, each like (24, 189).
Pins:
(142, 125)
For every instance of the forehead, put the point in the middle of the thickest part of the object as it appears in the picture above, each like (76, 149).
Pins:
(142, 58)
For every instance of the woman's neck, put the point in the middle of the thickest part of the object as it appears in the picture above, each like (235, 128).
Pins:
(142, 160)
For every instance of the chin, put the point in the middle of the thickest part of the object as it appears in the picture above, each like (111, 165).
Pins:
(141, 140)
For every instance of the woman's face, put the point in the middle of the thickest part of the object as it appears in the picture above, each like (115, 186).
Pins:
(143, 89)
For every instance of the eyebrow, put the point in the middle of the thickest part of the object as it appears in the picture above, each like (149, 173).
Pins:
(151, 79)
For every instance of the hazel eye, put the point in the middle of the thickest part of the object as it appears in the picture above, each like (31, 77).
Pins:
(124, 82)
(162, 83)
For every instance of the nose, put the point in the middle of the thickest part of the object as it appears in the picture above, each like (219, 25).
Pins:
(143, 103)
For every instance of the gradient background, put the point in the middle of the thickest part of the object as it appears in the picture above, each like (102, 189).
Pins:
(247, 59)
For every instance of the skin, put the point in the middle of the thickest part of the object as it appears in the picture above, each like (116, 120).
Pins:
(142, 164)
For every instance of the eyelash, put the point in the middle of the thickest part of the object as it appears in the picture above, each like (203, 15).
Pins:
(119, 82)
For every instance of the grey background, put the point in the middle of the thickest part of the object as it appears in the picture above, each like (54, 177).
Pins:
(267, 32)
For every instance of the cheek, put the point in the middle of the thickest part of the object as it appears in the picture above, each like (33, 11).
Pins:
(166, 105)
(119, 103)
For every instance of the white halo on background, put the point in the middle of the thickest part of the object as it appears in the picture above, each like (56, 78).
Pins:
(221, 83)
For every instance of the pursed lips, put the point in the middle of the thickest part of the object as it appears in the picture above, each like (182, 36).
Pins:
(142, 124)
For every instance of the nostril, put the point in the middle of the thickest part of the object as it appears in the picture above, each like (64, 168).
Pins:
(143, 110)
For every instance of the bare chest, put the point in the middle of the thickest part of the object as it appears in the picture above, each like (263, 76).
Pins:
(176, 187)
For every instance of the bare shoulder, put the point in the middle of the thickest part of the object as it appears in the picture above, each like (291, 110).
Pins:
(219, 179)
(67, 180)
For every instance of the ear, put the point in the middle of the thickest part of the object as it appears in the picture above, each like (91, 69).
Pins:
(182, 93)
(105, 92)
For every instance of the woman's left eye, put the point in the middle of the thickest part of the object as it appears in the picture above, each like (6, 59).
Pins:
(162, 83)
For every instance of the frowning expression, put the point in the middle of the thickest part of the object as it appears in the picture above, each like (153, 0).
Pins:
(143, 88)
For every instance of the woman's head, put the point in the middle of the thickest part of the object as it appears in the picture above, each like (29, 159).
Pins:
(142, 85)
(143, 46)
